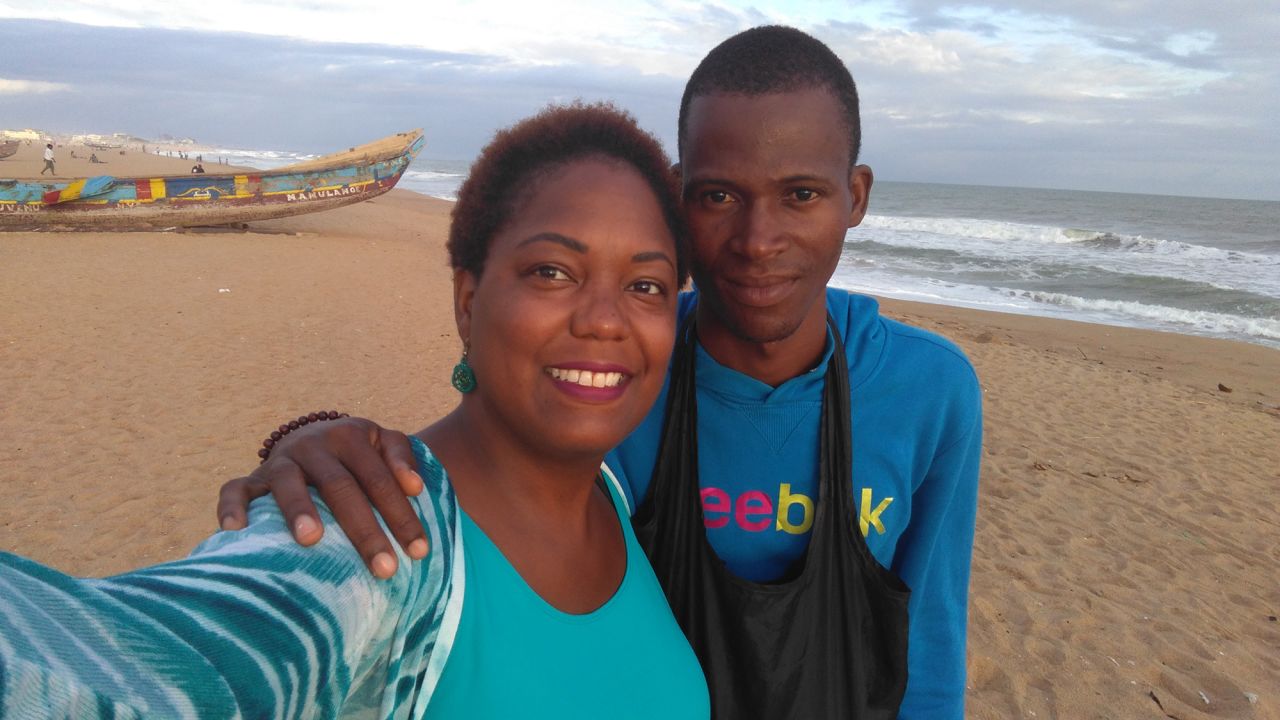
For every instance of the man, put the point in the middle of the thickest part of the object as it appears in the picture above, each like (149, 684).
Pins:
(48, 160)
(768, 142)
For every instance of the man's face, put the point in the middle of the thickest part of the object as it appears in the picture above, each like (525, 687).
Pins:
(769, 194)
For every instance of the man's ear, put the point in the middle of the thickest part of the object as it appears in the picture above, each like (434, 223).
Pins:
(464, 293)
(860, 180)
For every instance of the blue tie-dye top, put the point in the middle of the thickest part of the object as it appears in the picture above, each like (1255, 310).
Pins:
(251, 625)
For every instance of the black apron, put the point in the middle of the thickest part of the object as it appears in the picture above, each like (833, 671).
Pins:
(829, 640)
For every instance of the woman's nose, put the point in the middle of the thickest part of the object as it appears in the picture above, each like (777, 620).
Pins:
(599, 314)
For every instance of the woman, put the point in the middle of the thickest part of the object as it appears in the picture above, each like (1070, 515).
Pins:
(536, 600)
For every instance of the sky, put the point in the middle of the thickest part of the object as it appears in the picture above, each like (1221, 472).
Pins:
(1172, 97)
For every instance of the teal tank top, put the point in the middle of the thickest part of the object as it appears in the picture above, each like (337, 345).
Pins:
(516, 656)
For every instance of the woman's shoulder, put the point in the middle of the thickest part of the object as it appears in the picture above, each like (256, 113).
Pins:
(437, 492)
(437, 506)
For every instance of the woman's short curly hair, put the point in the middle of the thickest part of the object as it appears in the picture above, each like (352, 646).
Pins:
(501, 177)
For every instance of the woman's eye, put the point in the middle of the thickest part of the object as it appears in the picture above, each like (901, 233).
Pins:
(550, 272)
(648, 287)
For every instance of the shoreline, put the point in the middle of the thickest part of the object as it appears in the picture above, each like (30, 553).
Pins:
(1125, 540)
(846, 277)
(1199, 362)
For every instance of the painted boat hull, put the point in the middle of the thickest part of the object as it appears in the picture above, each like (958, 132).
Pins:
(146, 203)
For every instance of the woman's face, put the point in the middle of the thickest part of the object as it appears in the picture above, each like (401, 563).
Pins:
(572, 322)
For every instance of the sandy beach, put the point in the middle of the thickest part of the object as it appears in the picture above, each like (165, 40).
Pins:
(1127, 549)
(29, 161)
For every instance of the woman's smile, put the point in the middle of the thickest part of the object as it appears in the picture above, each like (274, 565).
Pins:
(588, 378)
(591, 382)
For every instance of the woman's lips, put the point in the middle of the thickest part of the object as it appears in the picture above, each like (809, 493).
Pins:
(600, 384)
(587, 378)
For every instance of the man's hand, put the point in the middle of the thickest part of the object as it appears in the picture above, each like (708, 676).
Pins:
(356, 466)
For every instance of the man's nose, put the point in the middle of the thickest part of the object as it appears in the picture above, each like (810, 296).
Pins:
(762, 233)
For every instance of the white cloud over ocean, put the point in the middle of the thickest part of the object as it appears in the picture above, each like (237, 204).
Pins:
(30, 87)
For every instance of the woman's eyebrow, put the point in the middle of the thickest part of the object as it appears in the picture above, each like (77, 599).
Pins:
(581, 247)
(653, 256)
(557, 238)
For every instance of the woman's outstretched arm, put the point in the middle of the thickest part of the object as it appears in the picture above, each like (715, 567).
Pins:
(251, 625)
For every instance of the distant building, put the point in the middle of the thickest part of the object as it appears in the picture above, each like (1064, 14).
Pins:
(25, 134)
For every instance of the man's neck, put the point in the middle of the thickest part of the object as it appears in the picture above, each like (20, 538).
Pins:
(773, 362)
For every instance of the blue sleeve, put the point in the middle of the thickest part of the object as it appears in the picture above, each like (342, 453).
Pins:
(935, 554)
(250, 625)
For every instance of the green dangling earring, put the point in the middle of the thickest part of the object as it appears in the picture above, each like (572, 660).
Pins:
(464, 378)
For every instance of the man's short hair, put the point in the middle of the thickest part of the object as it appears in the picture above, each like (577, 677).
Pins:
(774, 59)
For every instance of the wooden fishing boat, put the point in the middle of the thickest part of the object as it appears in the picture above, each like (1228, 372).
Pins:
(7, 148)
(141, 203)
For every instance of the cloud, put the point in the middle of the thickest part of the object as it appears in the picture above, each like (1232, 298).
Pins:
(650, 36)
(264, 92)
(30, 87)
(1163, 96)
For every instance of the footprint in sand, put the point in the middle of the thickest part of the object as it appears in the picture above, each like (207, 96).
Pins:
(1188, 689)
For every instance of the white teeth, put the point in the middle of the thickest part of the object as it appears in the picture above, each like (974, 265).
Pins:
(587, 378)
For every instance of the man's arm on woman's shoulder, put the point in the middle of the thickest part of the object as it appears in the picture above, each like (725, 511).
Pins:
(356, 466)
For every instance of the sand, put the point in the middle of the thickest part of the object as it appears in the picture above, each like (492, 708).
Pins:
(1127, 549)
(1127, 555)
(29, 161)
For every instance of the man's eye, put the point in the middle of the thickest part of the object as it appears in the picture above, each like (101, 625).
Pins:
(804, 194)
(717, 196)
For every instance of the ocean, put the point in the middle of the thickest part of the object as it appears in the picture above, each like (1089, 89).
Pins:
(1199, 266)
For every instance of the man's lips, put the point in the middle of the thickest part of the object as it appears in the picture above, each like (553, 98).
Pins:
(758, 291)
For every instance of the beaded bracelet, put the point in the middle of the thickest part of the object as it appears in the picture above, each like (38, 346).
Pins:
(285, 429)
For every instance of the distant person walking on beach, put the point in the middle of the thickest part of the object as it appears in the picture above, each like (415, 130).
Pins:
(197, 169)
(48, 160)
